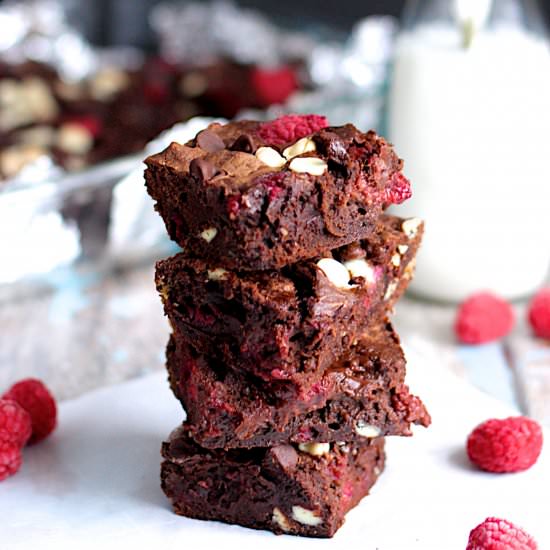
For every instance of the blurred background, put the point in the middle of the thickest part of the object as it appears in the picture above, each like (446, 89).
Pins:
(102, 20)
(87, 90)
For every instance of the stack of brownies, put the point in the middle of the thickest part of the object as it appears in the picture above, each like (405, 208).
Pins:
(282, 353)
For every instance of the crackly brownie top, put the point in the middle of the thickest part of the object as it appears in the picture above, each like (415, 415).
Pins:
(241, 154)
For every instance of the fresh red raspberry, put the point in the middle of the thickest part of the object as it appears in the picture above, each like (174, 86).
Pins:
(290, 128)
(15, 424)
(399, 190)
(500, 534)
(539, 313)
(10, 460)
(36, 399)
(273, 85)
(483, 317)
(505, 445)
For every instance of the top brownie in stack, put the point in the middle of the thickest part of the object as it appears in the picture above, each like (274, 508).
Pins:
(253, 196)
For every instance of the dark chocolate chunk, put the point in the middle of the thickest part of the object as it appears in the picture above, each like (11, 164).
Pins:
(285, 455)
(244, 143)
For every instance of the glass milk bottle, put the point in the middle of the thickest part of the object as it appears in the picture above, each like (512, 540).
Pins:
(469, 111)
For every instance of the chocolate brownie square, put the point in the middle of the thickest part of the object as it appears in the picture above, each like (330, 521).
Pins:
(261, 195)
(361, 395)
(285, 327)
(281, 489)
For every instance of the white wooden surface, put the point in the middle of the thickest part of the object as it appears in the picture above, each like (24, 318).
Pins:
(92, 332)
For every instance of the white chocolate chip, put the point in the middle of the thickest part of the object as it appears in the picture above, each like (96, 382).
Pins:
(43, 136)
(280, 519)
(9, 91)
(13, 159)
(269, 156)
(366, 430)
(361, 268)
(409, 270)
(217, 274)
(410, 226)
(304, 145)
(390, 290)
(335, 272)
(193, 84)
(396, 259)
(108, 82)
(40, 101)
(25, 102)
(377, 471)
(209, 234)
(74, 139)
(315, 449)
(308, 165)
(403, 248)
(305, 516)
(69, 91)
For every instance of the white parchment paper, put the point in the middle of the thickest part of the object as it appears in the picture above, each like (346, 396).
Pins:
(95, 482)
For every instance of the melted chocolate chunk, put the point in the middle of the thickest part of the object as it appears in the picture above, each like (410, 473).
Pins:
(202, 169)
(244, 143)
(286, 456)
(210, 142)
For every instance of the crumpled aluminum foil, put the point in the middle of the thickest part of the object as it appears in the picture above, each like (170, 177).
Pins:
(39, 30)
(348, 77)
(135, 227)
(223, 28)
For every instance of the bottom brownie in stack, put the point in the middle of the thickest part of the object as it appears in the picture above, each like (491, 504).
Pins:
(279, 488)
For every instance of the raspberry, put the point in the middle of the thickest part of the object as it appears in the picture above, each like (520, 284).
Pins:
(36, 399)
(539, 313)
(15, 424)
(10, 460)
(399, 190)
(290, 128)
(483, 317)
(500, 534)
(273, 182)
(505, 445)
(273, 85)
(233, 206)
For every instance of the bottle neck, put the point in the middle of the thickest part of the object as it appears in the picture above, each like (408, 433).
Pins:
(477, 14)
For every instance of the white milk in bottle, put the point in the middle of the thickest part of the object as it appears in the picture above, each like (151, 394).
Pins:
(469, 111)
